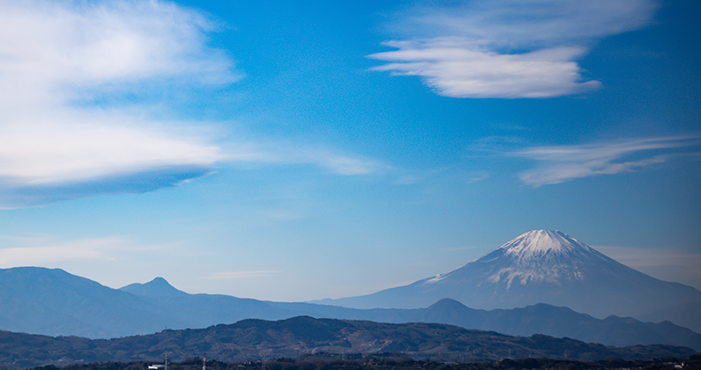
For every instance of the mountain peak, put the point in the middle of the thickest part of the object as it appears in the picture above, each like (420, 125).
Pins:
(540, 242)
(156, 287)
(538, 256)
(159, 281)
(544, 266)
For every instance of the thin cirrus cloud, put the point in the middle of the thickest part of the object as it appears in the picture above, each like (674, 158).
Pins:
(281, 152)
(236, 275)
(54, 53)
(507, 48)
(59, 140)
(561, 163)
(43, 251)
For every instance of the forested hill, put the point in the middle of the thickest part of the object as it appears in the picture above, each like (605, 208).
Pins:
(261, 340)
(390, 361)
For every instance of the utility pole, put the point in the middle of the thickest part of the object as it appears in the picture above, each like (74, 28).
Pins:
(204, 361)
(166, 361)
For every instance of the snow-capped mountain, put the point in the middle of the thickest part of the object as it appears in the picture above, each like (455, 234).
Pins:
(543, 266)
(539, 256)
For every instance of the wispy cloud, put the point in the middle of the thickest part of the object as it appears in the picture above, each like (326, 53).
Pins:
(59, 140)
(334, 162)
(45, 251)
(235, 275)
(507, 48)
(347, 165)
(457, 69)
(560, 163)
(277, 152)
(54, 53)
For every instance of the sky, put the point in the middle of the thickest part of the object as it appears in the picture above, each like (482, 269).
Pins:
(294, 151)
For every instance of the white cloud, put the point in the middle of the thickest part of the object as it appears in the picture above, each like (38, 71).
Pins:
(235, 275)
(507, 48)
(335, 162)
(61, 151)
(53, 53)
(457, 69)
(346, 165)
(528, 23)
(53, 250)
(76, 43)
(557, 164)
(59, 140)
(42, 254)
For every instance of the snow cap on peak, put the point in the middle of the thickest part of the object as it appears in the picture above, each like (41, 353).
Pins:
(541, 256)
(539, 242)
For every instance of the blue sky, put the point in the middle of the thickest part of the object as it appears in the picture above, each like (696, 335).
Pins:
(303, 150)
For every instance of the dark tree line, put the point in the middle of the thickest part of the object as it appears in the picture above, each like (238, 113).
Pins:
(398, 362)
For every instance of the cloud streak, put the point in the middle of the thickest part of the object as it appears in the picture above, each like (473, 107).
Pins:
(454, 68)
(76, 43)
(333, 161)
(507, 48)
(60, 61)
(56, 53)
(236, 275)
(96, 249)
(561, 163)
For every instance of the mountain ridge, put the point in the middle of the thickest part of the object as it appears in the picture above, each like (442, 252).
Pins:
(561, 271)
(144, 314)
(254, 339)
(156, 287)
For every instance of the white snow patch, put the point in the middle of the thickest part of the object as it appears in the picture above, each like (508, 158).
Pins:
(436, 279)
(540, 256)
(539, 242)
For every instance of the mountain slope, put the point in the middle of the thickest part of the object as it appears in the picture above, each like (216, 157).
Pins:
(157, 287)
(53, 302)
(39, 300)
(547, 267)
(258, 339)
(560, 322)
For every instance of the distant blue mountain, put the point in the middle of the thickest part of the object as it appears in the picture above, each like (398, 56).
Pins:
(53, 302)
(157, 287)
(560, 322)
(303, 336)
